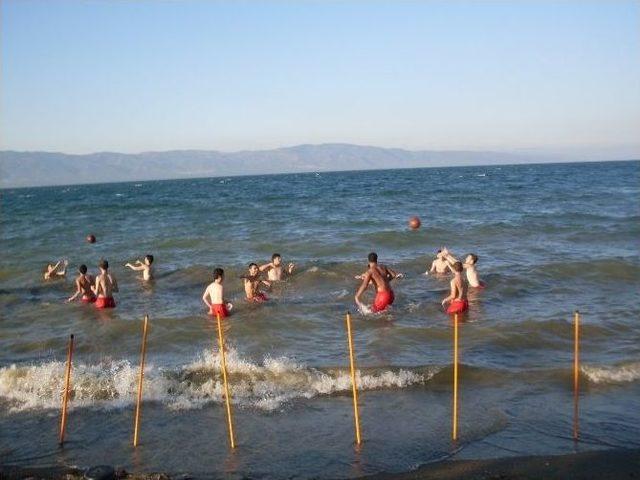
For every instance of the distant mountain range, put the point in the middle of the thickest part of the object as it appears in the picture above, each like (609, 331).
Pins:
(22, 169)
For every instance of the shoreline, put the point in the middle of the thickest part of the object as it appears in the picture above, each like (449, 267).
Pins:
(617, 464)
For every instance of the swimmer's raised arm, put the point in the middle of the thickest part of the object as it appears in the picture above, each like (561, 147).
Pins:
(136, 268)
(266, 266)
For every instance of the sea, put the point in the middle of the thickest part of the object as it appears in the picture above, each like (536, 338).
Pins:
(551, 239)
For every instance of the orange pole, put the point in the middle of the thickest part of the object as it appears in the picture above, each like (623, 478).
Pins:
(65, 394)
(354, 387)
(454, 432)
(576, 372)
(140, 379)
(223, 367)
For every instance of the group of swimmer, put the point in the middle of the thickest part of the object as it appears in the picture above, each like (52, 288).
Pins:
(99, 291)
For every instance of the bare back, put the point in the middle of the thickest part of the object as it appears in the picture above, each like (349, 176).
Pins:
(83, 284)
(458, 288)
(106, 284)
(380, 275)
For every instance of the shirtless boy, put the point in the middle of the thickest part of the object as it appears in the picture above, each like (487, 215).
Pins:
(144, 267)
(83, 287)
(252, 283)
(105, 285)
(440, 264)
(52, 271)
(470, 266)
(275, 270)
(213, 296)
(457, 299)
(380, 276)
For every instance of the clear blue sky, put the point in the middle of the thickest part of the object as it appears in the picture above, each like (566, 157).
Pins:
(132, 76)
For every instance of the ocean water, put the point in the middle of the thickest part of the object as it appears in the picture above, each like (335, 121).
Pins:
(550, 239)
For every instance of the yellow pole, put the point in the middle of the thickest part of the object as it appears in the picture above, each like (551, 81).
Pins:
(454, 433)
(576, 372)
(65, 394)
(223, 367)
(354, 387)
(140, 378)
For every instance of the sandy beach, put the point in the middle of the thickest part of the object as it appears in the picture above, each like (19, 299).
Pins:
(598, 465)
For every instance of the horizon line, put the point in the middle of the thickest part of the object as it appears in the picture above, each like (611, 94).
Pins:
(316, 172)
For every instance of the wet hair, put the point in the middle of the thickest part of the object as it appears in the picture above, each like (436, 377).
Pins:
(474, 258)
(275, 255)
(253, 265)
(149, 258)
(82, 269)
(217, 273)
(373, 257)
(457, 266)
(103, 264)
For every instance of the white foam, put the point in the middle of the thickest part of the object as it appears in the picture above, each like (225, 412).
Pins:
(267, 386)
(623, 373)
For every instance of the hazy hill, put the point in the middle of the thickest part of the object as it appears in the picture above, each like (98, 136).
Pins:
(20, 169)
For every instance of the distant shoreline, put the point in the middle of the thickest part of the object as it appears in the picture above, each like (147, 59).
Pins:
(513, 161)
(616, 464)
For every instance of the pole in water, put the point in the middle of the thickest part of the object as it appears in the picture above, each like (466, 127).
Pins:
(140, 379)
(65, 393)
(223, 367)
(354, 387)
(576, 372)
(454, 432)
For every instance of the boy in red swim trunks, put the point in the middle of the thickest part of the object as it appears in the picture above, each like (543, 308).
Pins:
(380, 276)
(213, 296)
(105, 285)
(83, 287)
(457, 299)
(252, 283)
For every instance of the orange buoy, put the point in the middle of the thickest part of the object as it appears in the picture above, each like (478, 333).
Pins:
(414, 223)
(91, 238)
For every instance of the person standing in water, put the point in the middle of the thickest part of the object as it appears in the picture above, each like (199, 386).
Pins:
(457, 298)
(106, 285)
(83, 286)
(252, 283)
(380, 276)
(57, 270)
(469, 266)
(213, 296)
(275, 270)
(439, 265)
(143, 266)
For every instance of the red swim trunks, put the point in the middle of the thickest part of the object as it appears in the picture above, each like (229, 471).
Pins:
(88, 299)
(383, 300)
(458, 306)
(219, 309)
(105, 302)
(259, 298)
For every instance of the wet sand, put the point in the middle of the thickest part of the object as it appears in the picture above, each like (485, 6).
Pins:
(597, 465)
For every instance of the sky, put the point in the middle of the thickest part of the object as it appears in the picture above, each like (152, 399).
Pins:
(132, 76)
